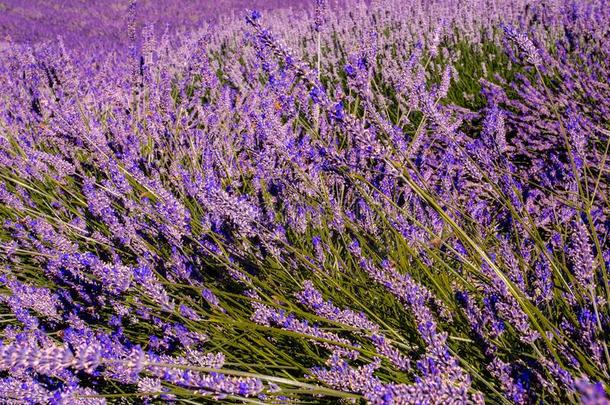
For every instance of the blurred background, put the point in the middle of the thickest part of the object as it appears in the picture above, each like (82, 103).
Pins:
(79, 21)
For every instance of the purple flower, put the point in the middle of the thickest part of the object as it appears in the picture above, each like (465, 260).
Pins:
(592, 393)
(315, 95)
(524, 43)
(581, 255)
(350, 71)
(254, 15)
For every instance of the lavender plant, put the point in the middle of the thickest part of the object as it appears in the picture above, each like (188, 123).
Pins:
(395, 202)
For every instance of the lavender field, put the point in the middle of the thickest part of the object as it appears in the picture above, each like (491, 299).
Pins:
(305, 202)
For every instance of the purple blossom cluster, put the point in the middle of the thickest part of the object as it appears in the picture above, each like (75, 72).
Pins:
(394, 202)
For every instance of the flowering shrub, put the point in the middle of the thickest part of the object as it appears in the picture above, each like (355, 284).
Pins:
(403, 202)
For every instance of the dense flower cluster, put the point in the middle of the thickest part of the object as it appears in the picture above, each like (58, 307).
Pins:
(394, 202)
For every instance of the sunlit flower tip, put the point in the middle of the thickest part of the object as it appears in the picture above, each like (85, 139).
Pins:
(532, 54)
(319, 18)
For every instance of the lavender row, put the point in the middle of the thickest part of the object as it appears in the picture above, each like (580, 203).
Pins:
(402, 202)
